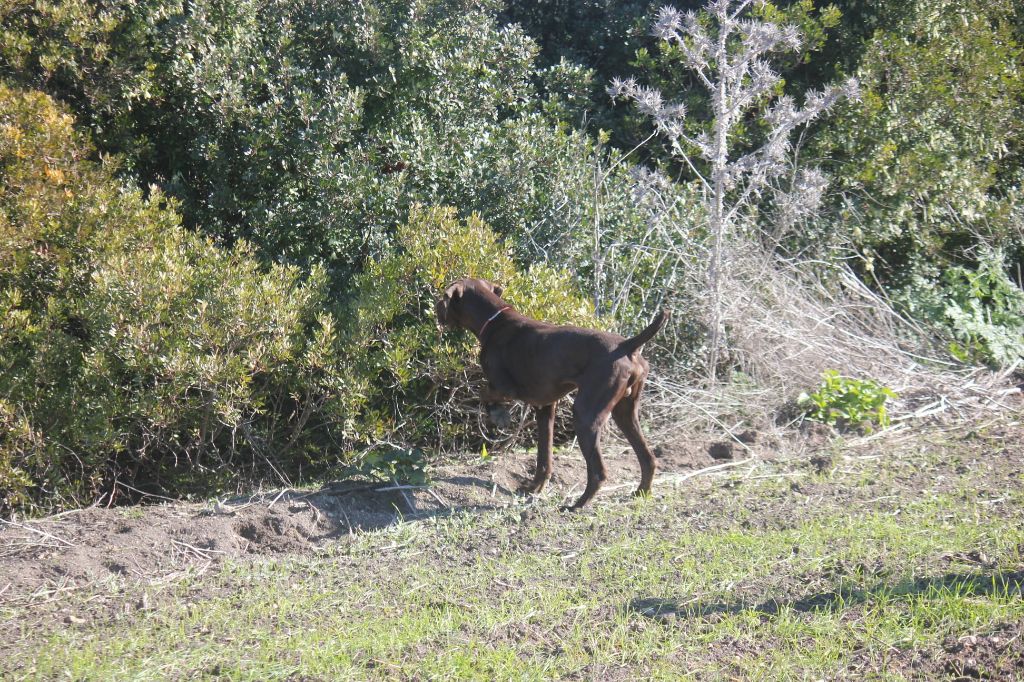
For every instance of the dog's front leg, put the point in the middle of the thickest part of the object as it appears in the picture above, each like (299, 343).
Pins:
(545, 440)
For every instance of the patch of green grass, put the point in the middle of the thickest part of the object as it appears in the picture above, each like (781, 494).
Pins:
(132, 512)
(767, 582)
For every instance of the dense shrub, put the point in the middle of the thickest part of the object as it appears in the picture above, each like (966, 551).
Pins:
(926, 157)
(980, 309)
(416, 385)
(133, 353)
(309, 127)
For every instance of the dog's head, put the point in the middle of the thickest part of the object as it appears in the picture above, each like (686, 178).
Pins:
(459, 299)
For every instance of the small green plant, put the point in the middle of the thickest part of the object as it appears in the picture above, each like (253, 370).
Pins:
(401, 465)
(984, 308)
(843, 401)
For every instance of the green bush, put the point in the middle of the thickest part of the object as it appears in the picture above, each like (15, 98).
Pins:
(846, 402)
(307, 127)
(418, 386)
(928, 158)
(310, 127)
(135, 354)
(982, 309)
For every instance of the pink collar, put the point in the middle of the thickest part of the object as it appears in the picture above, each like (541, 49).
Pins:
(480, 334)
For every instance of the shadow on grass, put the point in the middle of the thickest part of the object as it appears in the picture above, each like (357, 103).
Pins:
(975, 584)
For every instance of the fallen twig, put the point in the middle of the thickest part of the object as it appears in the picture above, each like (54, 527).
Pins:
(200, 552)
(335, 493)
(67, 513)
(438, 498)
(405, 495)
(794, 474)
(279, 495)
(676, 479)
(36, 530)
(348, 522)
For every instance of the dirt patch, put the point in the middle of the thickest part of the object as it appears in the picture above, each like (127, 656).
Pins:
(159, 542)
(49, 557)
(996, 654)
(93, 567)
(993, 656)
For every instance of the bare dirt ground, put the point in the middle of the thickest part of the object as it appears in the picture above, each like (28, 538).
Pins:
(159, 542)
(99, 553)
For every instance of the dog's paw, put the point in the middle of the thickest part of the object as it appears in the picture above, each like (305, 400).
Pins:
(532, 488)
(535, 485)
(499, 416)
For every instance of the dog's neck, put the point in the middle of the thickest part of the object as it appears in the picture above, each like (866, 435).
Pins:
(483, 327)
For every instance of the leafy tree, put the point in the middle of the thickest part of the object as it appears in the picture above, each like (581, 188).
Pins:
(926, 157)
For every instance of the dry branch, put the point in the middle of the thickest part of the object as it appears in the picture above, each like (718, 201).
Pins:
(36, 530)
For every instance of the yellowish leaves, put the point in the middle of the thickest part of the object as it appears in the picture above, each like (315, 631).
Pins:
(54, 175)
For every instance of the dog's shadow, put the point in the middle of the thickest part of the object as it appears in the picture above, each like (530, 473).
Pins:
(342, 508)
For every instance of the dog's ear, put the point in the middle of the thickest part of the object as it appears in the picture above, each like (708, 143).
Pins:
(452, 293)
(441, 310)
(497, 289)
(455, 291)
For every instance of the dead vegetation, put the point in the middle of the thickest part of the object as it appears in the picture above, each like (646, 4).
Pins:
(788, 322)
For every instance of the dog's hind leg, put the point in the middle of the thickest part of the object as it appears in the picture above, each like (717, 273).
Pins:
(626, 414)
(590, 415)
(545, 438)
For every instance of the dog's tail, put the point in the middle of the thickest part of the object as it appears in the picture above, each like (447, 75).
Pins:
(632, 345)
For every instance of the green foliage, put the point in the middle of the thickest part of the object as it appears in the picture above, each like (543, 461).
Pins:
(584, 32)
(925, 154)
(132, 351)
(982, 309)
(309, 127)
(20, 448)
(300, 134)
(417, 384)
(846, 402)
(271, 124)
(401, 465)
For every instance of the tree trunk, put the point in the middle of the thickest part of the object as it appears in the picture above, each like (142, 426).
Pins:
(718, 220)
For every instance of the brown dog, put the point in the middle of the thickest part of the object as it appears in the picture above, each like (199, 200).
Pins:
(539, 363)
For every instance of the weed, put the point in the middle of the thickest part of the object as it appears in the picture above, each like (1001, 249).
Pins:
(845, 402)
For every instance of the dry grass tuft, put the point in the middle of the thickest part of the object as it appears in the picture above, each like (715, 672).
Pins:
(789, 321)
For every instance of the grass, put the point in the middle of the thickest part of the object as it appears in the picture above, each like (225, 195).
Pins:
(853, 574)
